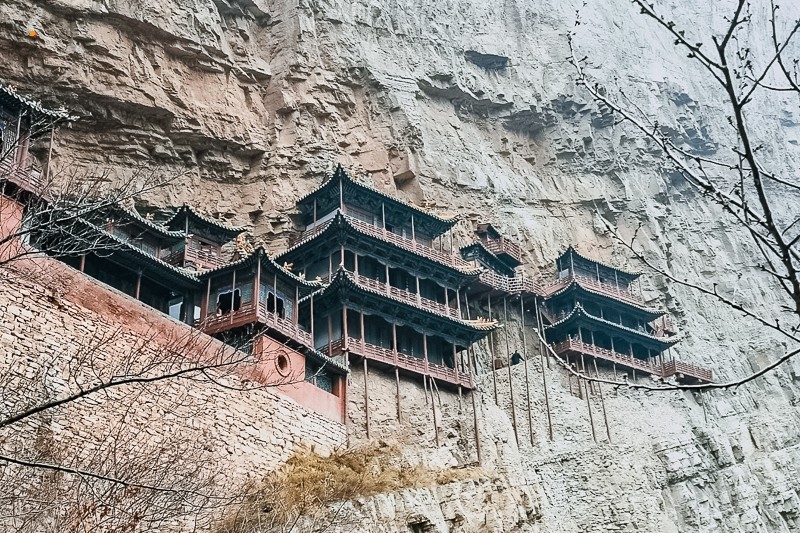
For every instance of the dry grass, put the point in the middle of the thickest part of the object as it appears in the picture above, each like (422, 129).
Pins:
(308, 486)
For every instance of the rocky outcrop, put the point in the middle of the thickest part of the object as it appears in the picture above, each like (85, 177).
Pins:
(465, 106)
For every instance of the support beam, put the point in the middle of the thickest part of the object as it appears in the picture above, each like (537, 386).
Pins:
(139, 285)
(525, 362)
(366, 396)
(602, 401)
(490, 340)
(510, 375)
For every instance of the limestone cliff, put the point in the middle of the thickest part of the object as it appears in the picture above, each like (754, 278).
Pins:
(465, 106)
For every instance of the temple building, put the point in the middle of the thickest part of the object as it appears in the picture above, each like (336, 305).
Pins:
(390, 297)
(592, 312)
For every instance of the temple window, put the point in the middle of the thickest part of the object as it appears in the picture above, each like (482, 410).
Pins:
(229, 301)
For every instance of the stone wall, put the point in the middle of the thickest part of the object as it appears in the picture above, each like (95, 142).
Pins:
(61, 331)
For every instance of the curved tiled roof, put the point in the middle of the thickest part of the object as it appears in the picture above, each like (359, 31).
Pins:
(261, 253)
(578, 311)
(9, 91)
(343, 219)
(342, 276)
(576, 282)
(160, 228)
(571, 248)
(189, 275)
(187, 210)
(340, 173)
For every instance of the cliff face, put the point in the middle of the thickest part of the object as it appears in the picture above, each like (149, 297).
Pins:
(465, 106)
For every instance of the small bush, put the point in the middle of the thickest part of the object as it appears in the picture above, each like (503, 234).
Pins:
(308, 484)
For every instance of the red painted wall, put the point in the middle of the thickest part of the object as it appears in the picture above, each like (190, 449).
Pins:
(285, 367)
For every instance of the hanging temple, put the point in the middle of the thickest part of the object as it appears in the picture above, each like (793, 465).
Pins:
(370, 280)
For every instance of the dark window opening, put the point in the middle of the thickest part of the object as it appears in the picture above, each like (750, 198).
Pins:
(276, 305)
(229, 301)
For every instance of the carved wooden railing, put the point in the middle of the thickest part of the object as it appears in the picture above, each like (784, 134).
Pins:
(400, 360)
(508, 284)
(679, 367)
(609, 289)
(24, 175)
(408, 297)
(503, 246)
(570, 345)
(248, 314)
(670, 367)
(202, 259)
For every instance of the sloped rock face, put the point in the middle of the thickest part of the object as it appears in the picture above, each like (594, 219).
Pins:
(465, 106)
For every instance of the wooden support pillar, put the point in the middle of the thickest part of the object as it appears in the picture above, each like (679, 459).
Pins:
(397, 382)
(341, 195)
(419, 296)
(425, 354)
(589, 405)
(510, 375)
(366, 396)
(383, 217)
(313, 340)
(388, 285)
(330, 267)
(433, 407)
(525, 362)
(542, 355)
(413, 231)
(355, 263)
(458, 302)
(455, 365)
(295, 307)
(345, 336)
(139, 285)
(330, 334)
(83, 264)
(602, 401)
(490, 340)
(314, 223)
(475, 429)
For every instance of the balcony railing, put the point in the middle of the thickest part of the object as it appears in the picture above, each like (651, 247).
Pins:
(508, 284)
(504, 246)
(25, 175)
(444, 258)
(609, 289)
(670, 368)
(249, 314)
(201, 259)
(400, 360)
(408, 297)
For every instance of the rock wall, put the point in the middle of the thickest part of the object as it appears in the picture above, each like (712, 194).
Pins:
(466, 106)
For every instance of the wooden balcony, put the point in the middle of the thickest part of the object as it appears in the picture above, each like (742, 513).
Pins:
(249, 314)
(200, 259)
(25, 175)
(680, 370)
(400, 360)
(503, 246)
(517, 284)
(445, 258)
(685, 372)
(608, 289)
(408, 297)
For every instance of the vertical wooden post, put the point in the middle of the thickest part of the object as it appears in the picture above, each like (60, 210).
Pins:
(602, 401)
(49, 155)
(419, 296)
(83, 264)
(346, 342)
(413, 231)
(425, 353)
(341, 195)
(433, 407)
(330, 335)
(257, 289)
(330, 267)
(491, 352)
(476, 432)
(510, 375)
(139, 284)
(542, 356)
(525, 362)
(314, 223)
(366, 396)
(458, 301)
(313, 340)
(296, 305)
(589, 405)
(397, 382)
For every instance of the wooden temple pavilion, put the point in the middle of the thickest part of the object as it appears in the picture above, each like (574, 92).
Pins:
(204, 238)
(390, 296)
(21, 121)
(592, 312)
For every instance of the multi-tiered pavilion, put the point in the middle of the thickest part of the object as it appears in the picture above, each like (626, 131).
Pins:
(391, 297)
(594, 312)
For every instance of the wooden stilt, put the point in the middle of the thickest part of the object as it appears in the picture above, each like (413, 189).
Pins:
(525, 362)
(476, 432)
(589, 405)
(397, 382)
(602, 401)
(83, 263)
(542, 355)
(425, 384)
(366, 397)
(433, 407)
(139, 287)
(491, 353)
(510, 375)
